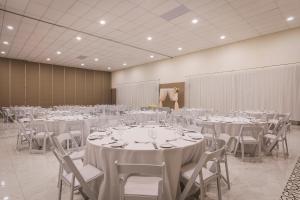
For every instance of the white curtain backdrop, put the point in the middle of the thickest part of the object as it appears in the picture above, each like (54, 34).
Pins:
(138, 94)
(271, 89)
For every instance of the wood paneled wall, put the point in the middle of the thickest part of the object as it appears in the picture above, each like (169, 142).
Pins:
(28, 83)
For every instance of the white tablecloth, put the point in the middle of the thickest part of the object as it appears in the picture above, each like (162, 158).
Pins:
(104, 156)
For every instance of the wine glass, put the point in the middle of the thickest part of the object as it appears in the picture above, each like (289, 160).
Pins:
(152, 134)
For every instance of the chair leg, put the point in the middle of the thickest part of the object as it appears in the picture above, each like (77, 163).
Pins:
(59, 189)
(219, 189)
(236, 147)
(72, 188)
(259, 151)
(243, 151)
(227, 174)
(286, 145)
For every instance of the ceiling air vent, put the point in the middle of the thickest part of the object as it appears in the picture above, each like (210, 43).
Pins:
(174, 13)
(81, 57)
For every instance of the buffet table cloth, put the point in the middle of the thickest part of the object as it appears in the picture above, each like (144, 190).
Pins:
(139, 150)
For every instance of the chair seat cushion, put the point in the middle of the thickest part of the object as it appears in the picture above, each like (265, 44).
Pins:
(188, 169)
(77, 155)
(43, 134)
(75, 133)
(248, 139)
(88, 172)
(272, 137)
(141, 185)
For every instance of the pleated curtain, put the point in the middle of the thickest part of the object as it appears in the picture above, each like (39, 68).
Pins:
(266, 89)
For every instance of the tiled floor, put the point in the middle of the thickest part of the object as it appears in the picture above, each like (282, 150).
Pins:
(25, 176)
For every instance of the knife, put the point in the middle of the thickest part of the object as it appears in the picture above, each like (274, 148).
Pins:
(154, 145)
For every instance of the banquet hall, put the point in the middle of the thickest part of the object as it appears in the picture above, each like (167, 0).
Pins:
(149, 99)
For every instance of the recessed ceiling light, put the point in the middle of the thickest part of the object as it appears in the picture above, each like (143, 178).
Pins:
(9, 27)
(195, 21)
(151, 56)
(109, 68)
(96, 59)
(149, 38)
(222, 37)
(48, 59)
(5, 42)
(124, 64)
(3, 52)
(290, 18)
(58, 52)
(179, 48)
(102, 22)
(5, 198)
(78, 38)
(82, 64)
(2, 183)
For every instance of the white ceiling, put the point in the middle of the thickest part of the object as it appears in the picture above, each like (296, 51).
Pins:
(131, 22)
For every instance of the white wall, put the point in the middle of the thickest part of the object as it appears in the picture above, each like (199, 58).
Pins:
(274, 49)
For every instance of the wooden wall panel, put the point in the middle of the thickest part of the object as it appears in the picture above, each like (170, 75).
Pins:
(70, 85)
(107, 87)
(58, 85)
(80, 87)
(98, 90)
(113, 96)
(89, 87)
(17, 87)
(168, 102)
(4, 82)
(32, 83)
(45, 99)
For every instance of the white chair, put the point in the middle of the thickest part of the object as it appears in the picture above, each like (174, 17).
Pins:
(220, 143)
(77, 176)
(209, 133)
(272, 140)
(198, 175)
(250, 134)
(39, 137)
(75, 128)
(24, 135)
(140, 181)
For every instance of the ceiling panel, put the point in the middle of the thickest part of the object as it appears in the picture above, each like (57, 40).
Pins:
(43, 27)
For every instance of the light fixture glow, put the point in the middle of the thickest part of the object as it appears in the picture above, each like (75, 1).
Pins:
(290, 18)
(124, 64)
(48, 59)
(5, 42)
(151, 56)
(82, 64)
(102, 22)
(179, 48)
(58, 52)
(3, 52)
(5, 198)
(9, 27)
(222, 37)
(2, 183)
(78, 38)
(149, 38)
(195, 21)
(109, 68)
(96, 59)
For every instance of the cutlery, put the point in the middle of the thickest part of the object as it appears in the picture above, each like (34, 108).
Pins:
(190, 140)
(154, 145)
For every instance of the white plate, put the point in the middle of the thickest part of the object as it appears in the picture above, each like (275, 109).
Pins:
(118, 144)
(195, 136)
(94, 137)
(166, 145)
(97, 133)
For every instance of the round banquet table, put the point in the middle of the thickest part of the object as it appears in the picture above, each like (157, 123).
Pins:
(140, 150)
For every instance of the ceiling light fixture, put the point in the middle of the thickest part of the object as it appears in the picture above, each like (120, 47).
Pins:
(222, 37)
(124, 64)
(179, 48)
(151, 56)
(58, 52)
(290, 18)
(82, 64)
(3, 52)
(48, 59)
(102, 22)
(109, 68)
(195, 21)
(149, 38)
(96, 59)
(78, 38)
(5, 42)
(9, 27)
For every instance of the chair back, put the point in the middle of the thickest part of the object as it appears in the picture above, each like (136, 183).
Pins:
(207, 156)
(86, 189)
(207, 127)
(250, 130)
(64, 143)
